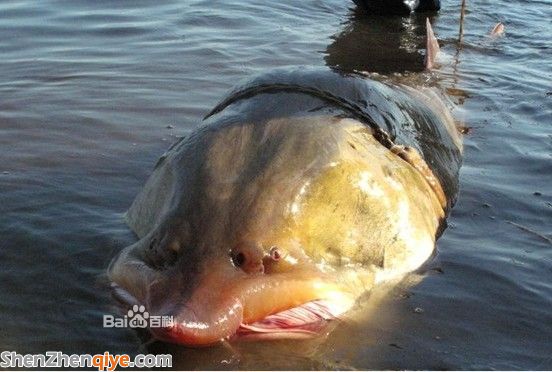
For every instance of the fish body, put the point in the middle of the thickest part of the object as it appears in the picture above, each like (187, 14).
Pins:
(298, 193)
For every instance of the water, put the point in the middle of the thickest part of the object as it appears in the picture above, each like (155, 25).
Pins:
(92, 93)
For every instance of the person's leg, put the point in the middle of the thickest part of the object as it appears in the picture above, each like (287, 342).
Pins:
(399, 6)
(428, 6)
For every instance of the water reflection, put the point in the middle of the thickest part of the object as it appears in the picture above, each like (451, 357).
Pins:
(382, 44)
(285, 354)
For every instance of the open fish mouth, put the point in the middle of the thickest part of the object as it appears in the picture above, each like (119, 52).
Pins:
(303, 321)
(300, 322)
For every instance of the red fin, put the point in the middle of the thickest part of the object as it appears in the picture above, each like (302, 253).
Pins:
(498, 30)
(432, 46)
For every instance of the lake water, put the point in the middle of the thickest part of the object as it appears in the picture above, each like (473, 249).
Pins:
(93, 92)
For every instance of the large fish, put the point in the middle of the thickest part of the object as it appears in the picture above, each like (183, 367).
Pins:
(300, 191)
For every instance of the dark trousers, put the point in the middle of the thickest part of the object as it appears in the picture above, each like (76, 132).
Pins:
(399, 6)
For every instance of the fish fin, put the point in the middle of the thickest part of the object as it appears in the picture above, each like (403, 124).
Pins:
(432, 47)
(498, 30)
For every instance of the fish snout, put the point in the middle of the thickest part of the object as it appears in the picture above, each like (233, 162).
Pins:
(198, 325)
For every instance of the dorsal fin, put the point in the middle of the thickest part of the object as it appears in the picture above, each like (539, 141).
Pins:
(498, 30)
(432, 47)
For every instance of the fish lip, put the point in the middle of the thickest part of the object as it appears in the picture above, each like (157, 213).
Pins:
(190, 329)
(313, 325)
(305, 325)
(177, 334)
(243, 332)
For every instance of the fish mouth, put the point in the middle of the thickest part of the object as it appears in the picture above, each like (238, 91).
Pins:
(300, 322)
(305, 321)
(258, 312)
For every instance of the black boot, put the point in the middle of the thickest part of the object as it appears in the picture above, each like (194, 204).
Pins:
(399, 6)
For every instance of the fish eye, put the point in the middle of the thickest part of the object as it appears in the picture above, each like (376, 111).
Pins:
(238, 259)
(153, 243)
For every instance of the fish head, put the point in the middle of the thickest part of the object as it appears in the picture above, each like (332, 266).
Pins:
(271, 230)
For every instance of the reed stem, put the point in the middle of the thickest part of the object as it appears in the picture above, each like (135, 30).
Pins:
(462, 14)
